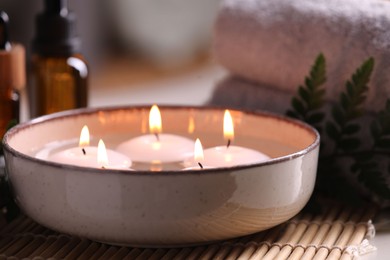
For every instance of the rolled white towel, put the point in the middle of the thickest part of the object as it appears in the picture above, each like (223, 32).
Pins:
(276, 41)
(239, 93)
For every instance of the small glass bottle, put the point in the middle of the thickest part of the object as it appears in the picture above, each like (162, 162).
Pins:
(60, 71)
(10, 76)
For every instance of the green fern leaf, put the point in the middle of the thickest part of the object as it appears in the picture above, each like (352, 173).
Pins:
(311, 97)
(369, 174)
(304, 94)
(332, 131)
(380, 128)
(315, 118)
(350, 107)
(343, 130)
(298, 106)
(338, 115)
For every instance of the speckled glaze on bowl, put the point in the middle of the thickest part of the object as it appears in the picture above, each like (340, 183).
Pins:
(166, 208)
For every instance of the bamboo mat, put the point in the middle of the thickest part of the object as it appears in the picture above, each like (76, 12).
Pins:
(337, 233)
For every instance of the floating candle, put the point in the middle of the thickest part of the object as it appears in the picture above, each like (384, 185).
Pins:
(197, 163)
(156, 147)
(91, 156)
(229, 155)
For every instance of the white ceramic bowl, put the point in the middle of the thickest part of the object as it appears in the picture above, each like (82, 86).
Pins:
(166, 208)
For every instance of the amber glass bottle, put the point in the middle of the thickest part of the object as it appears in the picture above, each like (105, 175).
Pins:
(60, 83)
(60, 71)
(9, 97)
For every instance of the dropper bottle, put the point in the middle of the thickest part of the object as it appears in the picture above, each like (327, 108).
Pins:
(60, 71)
(12, 76)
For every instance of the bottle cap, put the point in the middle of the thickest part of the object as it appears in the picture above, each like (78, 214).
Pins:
(12, 59)
(56, 30)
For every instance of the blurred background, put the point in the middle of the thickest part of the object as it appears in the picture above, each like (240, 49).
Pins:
(132, 44)
(167, 33)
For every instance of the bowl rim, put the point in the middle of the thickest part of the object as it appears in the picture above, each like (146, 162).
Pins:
(87, 111)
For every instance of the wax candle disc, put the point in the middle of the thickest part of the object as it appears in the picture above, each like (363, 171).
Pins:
(162, 149)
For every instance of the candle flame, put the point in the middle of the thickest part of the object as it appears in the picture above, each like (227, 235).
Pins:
(198, 151)
(84, 137)
(155, 120)
(102, 157)
(228, 127)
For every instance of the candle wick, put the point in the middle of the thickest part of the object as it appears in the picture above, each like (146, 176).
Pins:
(84, 152)
(200, 165)
(157, 137)
(228, 143)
